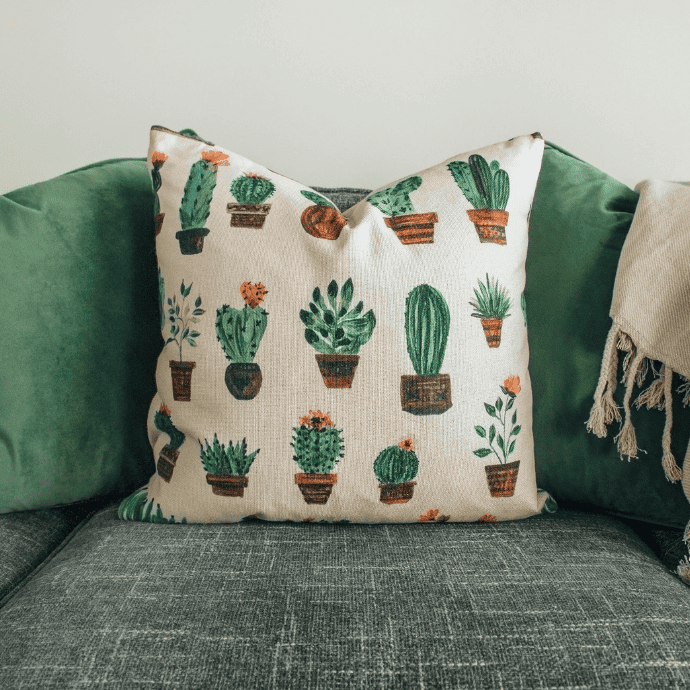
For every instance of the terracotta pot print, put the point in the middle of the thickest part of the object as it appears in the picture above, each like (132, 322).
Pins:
(166, 462)
(337, 370)
(415, 228)
(396, 493)
(248, 215)
(192, 241)
(490, 224)
(181, 380)
(227, 484)
(423, 395)
(316, 488)
(492, 331)
(243, 380)
(158, 223)
(323, 222)
(502, 478)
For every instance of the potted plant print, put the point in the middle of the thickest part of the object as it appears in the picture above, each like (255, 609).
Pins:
(487, 187)
(322, 220)
(239, 332)
(491, 306)
(181, 332)
(170, 451)
(337, 332)
(226, 468)
(395, 202)
(318, 446)
(157, 160)
(250, 191)
(501, 477)
(195, 207)
(139, 507)
(427, 322)
(395, 468)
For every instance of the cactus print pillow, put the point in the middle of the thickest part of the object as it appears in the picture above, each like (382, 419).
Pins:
(369, 365)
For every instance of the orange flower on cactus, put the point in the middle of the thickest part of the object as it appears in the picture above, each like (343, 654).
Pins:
(512, 385)
(215, 157)
(487, 518)
(318, 420)
(165, 410)
(158, 158)
(253, 295)
(406, 444)
(255, 176)
(429, 516)
(305, 420)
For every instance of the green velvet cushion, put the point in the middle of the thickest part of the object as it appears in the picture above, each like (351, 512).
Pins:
(80, 315)
(580, 218)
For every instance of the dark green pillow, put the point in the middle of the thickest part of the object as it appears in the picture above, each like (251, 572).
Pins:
(79, 305)
(580, 218)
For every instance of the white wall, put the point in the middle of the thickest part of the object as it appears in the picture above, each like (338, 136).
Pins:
(345, 93)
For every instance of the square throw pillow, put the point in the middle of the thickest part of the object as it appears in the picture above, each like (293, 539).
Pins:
(370, 366)
(77, 257)
(580, 219)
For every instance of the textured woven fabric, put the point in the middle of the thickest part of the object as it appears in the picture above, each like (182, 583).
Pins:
(28, 537)
(268, 295)
(568, 600)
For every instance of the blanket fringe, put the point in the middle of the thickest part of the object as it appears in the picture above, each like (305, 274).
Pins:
(671, 469)
(605, 410)
(658, 395)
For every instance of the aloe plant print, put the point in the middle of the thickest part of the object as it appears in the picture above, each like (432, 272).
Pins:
(337, 332)
(181, 316)
(140, 508)
(251, 192)
(322, 220)
(395, 202)
(239, 332)
(226, 468)
(487, 187)
(427, 324)
(501, 477)
(491, 305)
(171, 451)
(195, 206)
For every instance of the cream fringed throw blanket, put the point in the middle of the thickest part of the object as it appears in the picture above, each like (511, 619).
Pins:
(651, 316)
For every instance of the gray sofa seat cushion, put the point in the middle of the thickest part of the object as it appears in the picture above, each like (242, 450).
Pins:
(27, 538)
(557, 601)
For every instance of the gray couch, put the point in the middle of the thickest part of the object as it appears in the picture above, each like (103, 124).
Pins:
(573, 599)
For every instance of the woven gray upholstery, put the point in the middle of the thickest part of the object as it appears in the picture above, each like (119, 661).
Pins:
(27, 538)
(567, 600)
(343, 197)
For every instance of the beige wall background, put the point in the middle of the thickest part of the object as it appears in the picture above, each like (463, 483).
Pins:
(354, 93)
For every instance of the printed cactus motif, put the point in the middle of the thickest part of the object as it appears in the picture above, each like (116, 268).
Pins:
(395, 201)
(427, 323)
(198, 192)
(139, 507)
(240, 331)
(163, 422)
(233, 460)
(484, 185)
(252, 189)
(157, 160)
(318, 446)
(397, 464)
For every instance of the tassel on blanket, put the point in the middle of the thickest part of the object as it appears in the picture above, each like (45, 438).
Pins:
(605, 409)
(658, 395)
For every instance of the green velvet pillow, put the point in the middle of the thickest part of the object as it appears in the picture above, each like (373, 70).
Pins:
(580, 218)
(80, 308)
